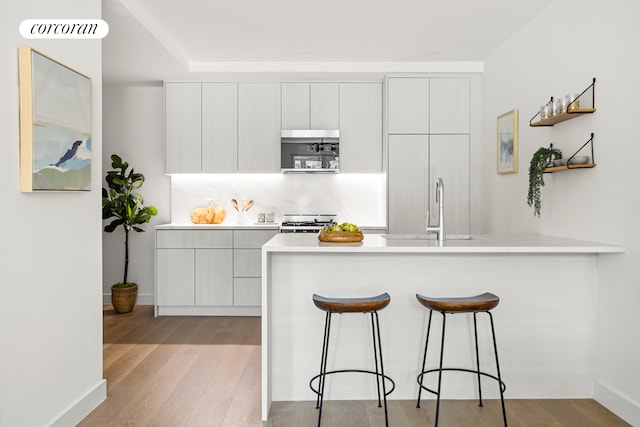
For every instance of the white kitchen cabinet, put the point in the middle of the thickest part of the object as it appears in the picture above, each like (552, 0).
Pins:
(408, 178)
(415, 161)
(201, 127)
(310, 105)
(214, 277)
(194, 270)
(259, 127)
(175, 277)
(428, 105)
(183, 127)
(360, 127)
(247, 265)
(408, 105)
(209, 272)
(449, 159)
(247, 291)
(219, 127)
(295, 105)
(449, 105)
(324, 106)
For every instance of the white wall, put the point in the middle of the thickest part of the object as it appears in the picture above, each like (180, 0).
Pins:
(134, 129)
(557, 53)
(50, 297)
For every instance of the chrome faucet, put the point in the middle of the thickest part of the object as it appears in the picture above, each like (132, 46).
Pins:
(439, 227)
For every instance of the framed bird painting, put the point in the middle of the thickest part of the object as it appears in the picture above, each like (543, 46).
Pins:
(55, 125)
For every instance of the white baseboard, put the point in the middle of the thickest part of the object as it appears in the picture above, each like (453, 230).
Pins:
(616, 402)
(143, 299)
(82, 407)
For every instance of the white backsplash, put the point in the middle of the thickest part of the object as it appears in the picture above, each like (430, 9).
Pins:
(357, 198)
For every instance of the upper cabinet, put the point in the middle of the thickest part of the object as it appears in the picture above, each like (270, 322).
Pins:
(183, 130)
(310, 106)
(449, 105)
(408, 105)
(428, 105)
(201, 127)
(219, 127)
(360, 127)
(259, 127)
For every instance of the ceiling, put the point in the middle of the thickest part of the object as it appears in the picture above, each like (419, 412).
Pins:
(150, 37)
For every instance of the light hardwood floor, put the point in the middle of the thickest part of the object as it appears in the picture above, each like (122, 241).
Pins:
(205, 371)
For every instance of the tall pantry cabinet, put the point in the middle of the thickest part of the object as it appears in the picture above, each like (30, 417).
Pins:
(428, 136)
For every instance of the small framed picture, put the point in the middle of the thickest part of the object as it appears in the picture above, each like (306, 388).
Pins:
(507, 142)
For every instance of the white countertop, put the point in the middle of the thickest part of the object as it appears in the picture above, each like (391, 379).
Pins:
(223, 226)
(376, 243)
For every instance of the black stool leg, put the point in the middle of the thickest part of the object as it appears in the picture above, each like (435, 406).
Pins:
(375, 359)
(444, 322)
(424, 359)
(475, 333)
(495, 349)
(384, 388)
(323, 366)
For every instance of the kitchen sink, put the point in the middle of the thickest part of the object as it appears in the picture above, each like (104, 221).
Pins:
(424, 236)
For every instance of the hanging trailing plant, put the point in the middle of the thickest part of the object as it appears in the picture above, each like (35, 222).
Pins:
(540, 160)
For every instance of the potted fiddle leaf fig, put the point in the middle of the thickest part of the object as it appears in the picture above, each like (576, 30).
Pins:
(125, 207)
(541, 159)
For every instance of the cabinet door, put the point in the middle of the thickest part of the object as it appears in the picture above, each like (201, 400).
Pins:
(449, 105)
(324, 106)
(252, 239)
(310, 106)
(206, 239)
(449, 160)
(408, 105)
(175, 279)
(214, 277)
(219, 127)
(247, 263)
(295, 105)
(247, 291)
(360, 127)
(407, 176)
(259, 127)
(183, 127)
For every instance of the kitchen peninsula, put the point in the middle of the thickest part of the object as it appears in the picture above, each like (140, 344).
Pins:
(545, 323)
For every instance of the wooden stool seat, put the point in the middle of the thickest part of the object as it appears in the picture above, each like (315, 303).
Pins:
(352, 305)
(476, 304)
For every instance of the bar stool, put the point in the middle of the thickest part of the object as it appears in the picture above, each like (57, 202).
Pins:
(477, 304)
(352, 305)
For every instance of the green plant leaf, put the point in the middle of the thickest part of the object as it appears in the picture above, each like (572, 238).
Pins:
(539, 161)
(121, 202)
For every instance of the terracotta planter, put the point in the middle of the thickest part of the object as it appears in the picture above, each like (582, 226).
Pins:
(124, 299)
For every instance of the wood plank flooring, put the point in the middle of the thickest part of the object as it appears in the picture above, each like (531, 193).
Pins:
(205, 371)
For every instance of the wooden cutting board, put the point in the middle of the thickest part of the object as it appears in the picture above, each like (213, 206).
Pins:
(340, 236)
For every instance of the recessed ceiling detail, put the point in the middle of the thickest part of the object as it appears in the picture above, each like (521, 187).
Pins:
(206, 36)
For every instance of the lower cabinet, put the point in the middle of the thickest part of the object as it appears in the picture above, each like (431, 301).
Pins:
(209, 272)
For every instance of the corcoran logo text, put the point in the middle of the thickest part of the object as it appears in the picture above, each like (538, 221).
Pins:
(64, 28)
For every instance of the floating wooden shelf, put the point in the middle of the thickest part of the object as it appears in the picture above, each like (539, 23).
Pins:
(563, 117)
(571, 113)
(564, 168)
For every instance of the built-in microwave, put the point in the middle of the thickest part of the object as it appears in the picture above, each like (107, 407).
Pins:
(309, 150)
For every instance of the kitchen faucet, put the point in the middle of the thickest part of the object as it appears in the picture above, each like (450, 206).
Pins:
(439, 227)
